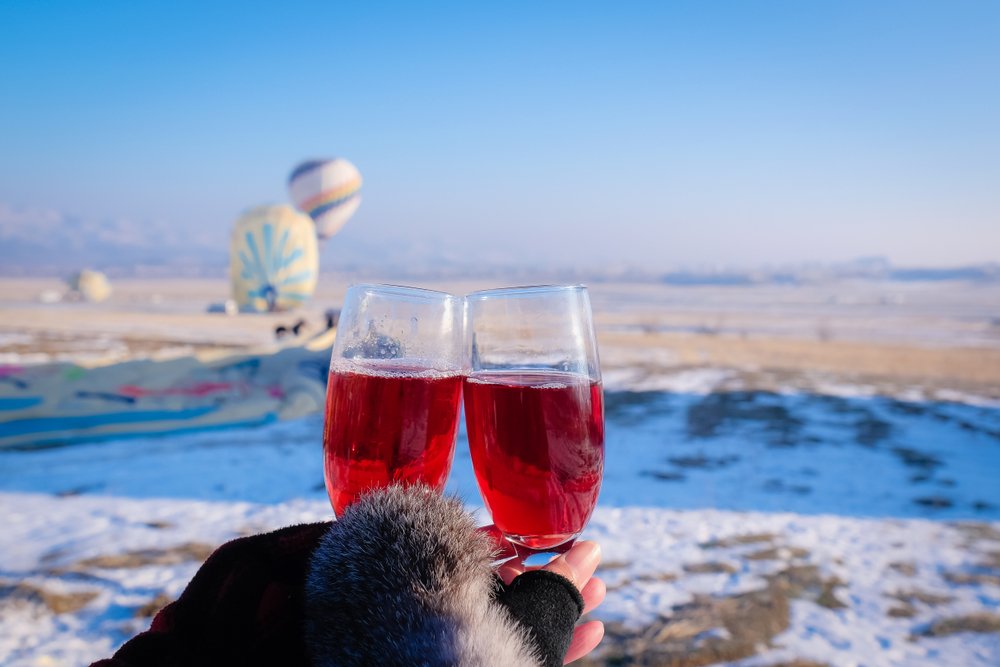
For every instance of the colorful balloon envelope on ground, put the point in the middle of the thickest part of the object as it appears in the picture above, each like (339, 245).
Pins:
(329, 191)
(273, 259)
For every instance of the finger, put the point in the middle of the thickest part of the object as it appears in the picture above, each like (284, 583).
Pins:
(508, 572)
(577, 564)
(593, 594)
(586, 637)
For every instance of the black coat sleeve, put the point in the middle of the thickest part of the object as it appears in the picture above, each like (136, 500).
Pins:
(548, 605)
(243, 607)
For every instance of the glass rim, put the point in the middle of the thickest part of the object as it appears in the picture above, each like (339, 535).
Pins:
(403, 290)
(525, 290)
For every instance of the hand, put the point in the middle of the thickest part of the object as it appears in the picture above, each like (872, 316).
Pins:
(578, 565)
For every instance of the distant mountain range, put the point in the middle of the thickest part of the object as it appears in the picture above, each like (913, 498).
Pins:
(40, 242)
(869, 268)
(44, 242)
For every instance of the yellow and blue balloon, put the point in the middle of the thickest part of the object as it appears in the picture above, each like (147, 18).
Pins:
(273, 259)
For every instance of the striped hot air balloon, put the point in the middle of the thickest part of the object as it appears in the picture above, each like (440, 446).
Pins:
(329, 191)
(273, 259)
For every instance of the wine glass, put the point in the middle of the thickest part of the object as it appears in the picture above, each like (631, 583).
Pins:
(392, 402)
(534, 412)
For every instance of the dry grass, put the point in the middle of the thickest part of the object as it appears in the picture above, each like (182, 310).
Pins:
(150, 609)
(924, 597)
(182, 553)
(978, 531)
(711, 630)
(691, 636)
(982, 622)
(972, 578)
(902, 611)
(56, 603)
(709, 567)
(806, 581)
(970, 368)
(738, 540)
(650, 578)
(777, 553)
(905, 568)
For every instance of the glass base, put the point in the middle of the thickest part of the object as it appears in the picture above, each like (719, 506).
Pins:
(541, 547)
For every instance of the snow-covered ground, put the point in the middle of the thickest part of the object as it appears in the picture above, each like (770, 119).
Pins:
(655, 559)
(870, 523)
(738, 450)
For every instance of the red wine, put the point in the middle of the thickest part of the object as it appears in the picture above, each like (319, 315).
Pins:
(388, 424)
(537, 443)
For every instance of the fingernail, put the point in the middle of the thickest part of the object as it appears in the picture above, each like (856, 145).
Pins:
(584, 555)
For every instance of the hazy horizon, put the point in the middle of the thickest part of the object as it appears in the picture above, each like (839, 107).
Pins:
(648, 136)
(47, 243)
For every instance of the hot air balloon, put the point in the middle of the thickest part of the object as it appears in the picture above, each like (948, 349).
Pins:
(329, 191)
(273, 259)
(93, 286)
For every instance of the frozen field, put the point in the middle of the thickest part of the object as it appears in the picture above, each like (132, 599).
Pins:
(705, 446)
(791, 475)
(718, 508)
(760, 587)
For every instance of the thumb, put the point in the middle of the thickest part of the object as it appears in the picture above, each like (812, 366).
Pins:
(578, 564)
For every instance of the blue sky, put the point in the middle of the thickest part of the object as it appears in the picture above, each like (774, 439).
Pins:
(654, 134)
